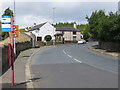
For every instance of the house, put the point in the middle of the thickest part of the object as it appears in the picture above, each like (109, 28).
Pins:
(57, 33)
(68, 34)
(41, 30)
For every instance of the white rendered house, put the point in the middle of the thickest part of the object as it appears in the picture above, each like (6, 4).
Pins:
(41, 30)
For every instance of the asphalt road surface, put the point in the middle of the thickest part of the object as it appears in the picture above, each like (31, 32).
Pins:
(74, 66)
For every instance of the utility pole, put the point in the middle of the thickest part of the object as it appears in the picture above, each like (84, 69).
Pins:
(53, 28)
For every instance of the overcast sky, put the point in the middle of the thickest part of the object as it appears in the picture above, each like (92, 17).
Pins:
(28, 13)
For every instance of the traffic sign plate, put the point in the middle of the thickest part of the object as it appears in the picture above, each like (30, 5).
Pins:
(6, 23)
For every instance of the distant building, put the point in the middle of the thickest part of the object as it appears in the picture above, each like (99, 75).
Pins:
(57, 33)
(41, 30)
(68, 34)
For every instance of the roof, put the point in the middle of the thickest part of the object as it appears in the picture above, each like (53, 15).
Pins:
(37, 26)
(59, 34)
(67, 29)
(21, 38)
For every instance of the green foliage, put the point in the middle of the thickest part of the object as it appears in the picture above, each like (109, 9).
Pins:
(84, 29)
(4, 35)
(48, 37)
(104, 27)
(64, 24)
(8, 12)
(0, 24)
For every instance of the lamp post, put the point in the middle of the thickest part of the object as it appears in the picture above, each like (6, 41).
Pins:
(53, 13)
(53, 28)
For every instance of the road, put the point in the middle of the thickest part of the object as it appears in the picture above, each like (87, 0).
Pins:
(73, 66)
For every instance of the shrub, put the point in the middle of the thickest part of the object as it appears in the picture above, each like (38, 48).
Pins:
(48, 37)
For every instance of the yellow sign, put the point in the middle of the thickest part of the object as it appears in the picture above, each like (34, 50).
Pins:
(15, 32)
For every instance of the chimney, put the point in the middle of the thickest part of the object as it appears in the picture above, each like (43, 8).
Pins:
(74, 25)
(34, 24)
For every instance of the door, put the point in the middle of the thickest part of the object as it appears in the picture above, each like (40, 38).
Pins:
(39, 38)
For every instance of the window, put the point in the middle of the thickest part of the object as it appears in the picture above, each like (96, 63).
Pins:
(74, 32)
(74, 38)
(36, 31)
(39, 38)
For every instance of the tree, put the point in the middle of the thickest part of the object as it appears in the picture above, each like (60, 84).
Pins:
(66, 24)
(6, 12)
(48, 37)
(93, 21)
(104, 27)
(0, 32)
(84, 29)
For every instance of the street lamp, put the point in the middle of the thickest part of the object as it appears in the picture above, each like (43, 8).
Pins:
(53, 28)
(53, 13)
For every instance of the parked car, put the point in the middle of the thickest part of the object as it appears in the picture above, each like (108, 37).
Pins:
(82, 41)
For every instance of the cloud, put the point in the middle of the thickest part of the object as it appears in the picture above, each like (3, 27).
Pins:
(28, 20)
(62, 0)
(28, 13)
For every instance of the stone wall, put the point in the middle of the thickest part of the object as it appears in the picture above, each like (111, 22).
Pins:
(109, 46)
(19, 47)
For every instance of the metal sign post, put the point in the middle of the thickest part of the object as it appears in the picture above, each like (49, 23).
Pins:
(12, 57)
(9, 54)
(7, 26)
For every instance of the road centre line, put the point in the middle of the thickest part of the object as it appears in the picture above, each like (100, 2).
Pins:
(64, 52)
(77, 60)
(71, 56)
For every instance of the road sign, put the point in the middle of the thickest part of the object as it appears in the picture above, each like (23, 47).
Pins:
(6, 23)
(15, 31)
(7, 26)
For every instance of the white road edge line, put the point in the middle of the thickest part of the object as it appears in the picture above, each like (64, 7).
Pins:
(71, 56)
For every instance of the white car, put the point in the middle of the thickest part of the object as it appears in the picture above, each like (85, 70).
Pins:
(82, 41)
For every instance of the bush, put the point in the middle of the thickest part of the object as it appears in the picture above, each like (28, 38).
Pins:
(48, 37)
(104, 27)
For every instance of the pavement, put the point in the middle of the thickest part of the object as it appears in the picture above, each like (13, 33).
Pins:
(49, 69)
(20, 71)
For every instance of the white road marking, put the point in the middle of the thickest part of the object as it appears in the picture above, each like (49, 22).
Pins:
(78, 61)
(64, 52)
(71, 56)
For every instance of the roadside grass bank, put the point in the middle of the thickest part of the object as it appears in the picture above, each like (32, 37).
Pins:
(96, 48)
